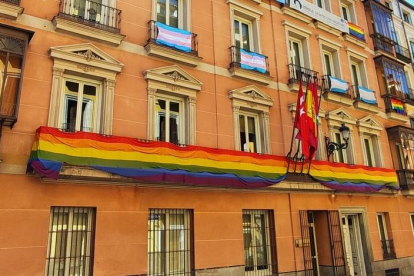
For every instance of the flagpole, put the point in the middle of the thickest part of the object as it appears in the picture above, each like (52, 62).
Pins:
(293, 130)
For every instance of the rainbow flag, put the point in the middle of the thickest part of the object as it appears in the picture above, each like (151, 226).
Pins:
(253, 61)
(161, 162)
(397, 106)
(356, 31)
(173, 37)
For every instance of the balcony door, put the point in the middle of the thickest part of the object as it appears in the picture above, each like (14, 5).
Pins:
(353, 245)
(99, 11)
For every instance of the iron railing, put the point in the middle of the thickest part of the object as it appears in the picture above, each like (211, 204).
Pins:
(153, 34)
(402, 53)
(388, 251)
(392, 272)
(398, 93)
(389, 107)
(236, 58)
(13, 2)
(383, 43)
(71, 127)
(406, 179)
(297, 73)
(354, 91)
(327, 85)
(91, 13)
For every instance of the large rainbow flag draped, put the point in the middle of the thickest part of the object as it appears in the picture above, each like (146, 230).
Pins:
(168, 163)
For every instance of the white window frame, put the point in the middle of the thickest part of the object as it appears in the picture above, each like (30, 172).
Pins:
(371, 129)
(358, 73)
(408, 14)
(69, 8)
(349, 5)
(266, 214)
(248, 14)
(96, 116)
(184, 9)
(180, 19)
(250, 30)
(293, 33)
(256, 128)
(331, 62)
(69, 230)
(381, 216)
(292, 53)
(181, 117)
(332, 49)
(359, 60)
(326, 5)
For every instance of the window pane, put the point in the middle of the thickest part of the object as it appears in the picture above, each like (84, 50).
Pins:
(260, 242)
(381, 228)
(177, 243)
(71, 105)
(368, 152)
(328, 64)
(11, 80)
(173, 13)
(237, 33)
(78, 8)
(345, 13)
(340, 151)
(248, 242)
(246, 37)
(355, 74)
(89, 97)
(160, 111)
(252, 134)
(243, 139)
(174, 122)
(296, 53)
(161, 11)
(156, 244)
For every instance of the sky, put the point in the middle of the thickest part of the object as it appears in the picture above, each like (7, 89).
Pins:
(411, 2)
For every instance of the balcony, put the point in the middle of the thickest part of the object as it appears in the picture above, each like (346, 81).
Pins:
(364, 99)
(388, 251)
(10, 8)
(297, 73)
(91, 19)
(336, 90)
(394, 108)
(250, 66)
(402, 53)
(176, 51)
(406, 179)
(382, 43)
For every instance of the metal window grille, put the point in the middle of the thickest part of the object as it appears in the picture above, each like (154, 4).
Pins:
(170, 242)
(71, 241)
(259, 242)
(392, 272)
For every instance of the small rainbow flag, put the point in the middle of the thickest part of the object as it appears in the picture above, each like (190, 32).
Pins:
(397, 106)
(356, 31)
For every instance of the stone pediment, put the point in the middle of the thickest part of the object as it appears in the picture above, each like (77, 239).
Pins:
(87, 54)
(251, 94)
(173, 75)
(341, 115)
(369, 122)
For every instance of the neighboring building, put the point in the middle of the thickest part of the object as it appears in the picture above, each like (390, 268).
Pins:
(149, 138)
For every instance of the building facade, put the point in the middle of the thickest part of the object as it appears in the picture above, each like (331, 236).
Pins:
(150, 138)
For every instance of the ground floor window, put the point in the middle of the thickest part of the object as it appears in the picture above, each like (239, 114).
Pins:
(170, 242)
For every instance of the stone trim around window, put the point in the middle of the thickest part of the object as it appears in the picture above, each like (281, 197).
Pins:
(88, 61)
(173, 80)
(253, 100)
(368, 126)
(10, 11)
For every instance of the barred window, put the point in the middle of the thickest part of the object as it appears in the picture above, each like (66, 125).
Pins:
(71, 239)
(170, 242)
(259, 242)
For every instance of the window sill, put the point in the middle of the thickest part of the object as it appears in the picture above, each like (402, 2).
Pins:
(355, 41)
(296, 14)
(327, 28)
(10, 11)
(338, 98)
(397, 117)
(69, 26)
(172, 55)
(250, 75)
(366, 107)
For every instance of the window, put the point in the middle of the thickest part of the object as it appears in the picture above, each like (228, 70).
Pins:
(83, 88)
(259, 242)
(356, 73)
(168, 12)
(348, 11)
(388, 4)
(323, 4)
(370, 131)
(383, 21)
(369, 151)
(340, 154)
(412, 222)
(406, 17)
(296, 52)
(171, 129)
(81, 108)
(71, 239)
(170, 242)
(249, 132)
(330, 57)
(242, 34)
(251, 119)
(382, 226)
(328, 63)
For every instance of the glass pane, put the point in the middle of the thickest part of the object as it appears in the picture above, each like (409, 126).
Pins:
(340, 151)
(156, 244)
(237, 33)
(174, 122)
(248, 242)
(176, 244)
(160, 113)
(252, 134)
(173, 13)
(78, 243)
(58, 240)
(355, 74)
(368, 152)
(88, 105)
(78, 8)
(296, 54)
(71, 105)
(345, 13)
(9, 96)
(381, 227)
(242, 128)
(260, 241)
(328, 64)
(161, 11)
(246, 37)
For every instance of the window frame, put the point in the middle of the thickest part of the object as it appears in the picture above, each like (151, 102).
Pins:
(292, 51)
(249, 24)
(247, 114)
(371, 129)
(359, 60)
(184, 21)
(292, 32)
(412, 222)
(384, 224)
(349, 5)
(90, 232)
(329, 55)
(180, 19)
(368, 153)
(406, 16)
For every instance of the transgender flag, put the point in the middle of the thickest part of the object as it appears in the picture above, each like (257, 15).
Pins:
(252, 61)
(173, 37)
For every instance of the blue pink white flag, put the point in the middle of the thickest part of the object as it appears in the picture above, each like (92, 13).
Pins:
(253, 61)
(173, 37)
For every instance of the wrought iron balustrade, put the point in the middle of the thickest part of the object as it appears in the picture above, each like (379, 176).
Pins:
(390, 107)
(153, 34)
(388, 251)
(382, 43)
(91, 13)
(402, 53)
(236, 58)
(354, 91)
(297, 73)
(406, 179)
